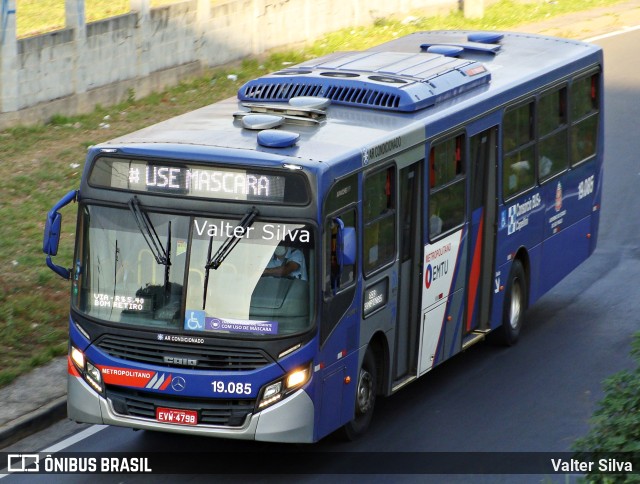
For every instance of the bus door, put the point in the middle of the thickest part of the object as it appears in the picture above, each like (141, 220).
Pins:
(482, 232)
(444, 257)
(409, 277)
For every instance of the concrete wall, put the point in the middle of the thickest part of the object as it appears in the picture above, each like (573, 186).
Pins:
(69, 71)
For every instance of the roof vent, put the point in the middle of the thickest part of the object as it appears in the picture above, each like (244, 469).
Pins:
(445, 50)
(310, 102)
(343, 75)
(275, 138)
(261, 121)
(292, 72)
(388, 79)
(485, 37)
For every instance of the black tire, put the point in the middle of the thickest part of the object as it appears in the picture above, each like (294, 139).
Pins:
(365, 398)
(515, 303)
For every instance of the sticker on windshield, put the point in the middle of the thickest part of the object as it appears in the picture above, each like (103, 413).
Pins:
(181, 247)
(128, 303)
(239, 326)
(195, 320)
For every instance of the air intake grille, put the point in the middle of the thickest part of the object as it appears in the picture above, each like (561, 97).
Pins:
(208, 358)
(367, 97)
(269, 91)
(280, 92)
(228, 413)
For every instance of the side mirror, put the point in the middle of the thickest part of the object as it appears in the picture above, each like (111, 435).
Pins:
(347, 249)
(52, 230)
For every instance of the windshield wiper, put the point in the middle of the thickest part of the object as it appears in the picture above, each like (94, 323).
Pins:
(149, 233)
(115, 274)
(225, 249)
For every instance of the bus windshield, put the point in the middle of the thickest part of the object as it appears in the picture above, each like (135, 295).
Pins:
(158, 275)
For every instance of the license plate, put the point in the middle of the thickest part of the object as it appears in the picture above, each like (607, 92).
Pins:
(173, 415)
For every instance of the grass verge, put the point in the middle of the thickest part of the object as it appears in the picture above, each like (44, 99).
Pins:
(35, 17)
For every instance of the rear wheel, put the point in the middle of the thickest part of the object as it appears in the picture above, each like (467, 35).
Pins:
(365, 398)
(515, 303)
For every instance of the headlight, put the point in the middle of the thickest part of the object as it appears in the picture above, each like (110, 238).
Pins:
(297, 378)
(90, 372)
(94, 377)
(78, 358)
(272, 390)
(271, 394)
(276, 391)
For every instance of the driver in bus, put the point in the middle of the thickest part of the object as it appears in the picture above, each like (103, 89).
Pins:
(286, 262)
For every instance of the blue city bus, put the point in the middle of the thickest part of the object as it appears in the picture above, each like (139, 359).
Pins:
(266, 267)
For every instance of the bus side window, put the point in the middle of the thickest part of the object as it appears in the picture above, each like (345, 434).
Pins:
(336, 279)
(379, 216)
(340, 204)
(584, 117)
(553, 157)
(446, 186)
(518, 150)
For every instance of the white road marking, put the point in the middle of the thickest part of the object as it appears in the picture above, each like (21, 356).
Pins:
(68, 442)
(623, 30)
(74, 439)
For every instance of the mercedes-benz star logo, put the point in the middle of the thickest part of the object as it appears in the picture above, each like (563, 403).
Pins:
(178, 384)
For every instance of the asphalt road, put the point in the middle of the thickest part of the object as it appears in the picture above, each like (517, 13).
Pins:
(534, 397)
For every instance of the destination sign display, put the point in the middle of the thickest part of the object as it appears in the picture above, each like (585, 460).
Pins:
(214, 182)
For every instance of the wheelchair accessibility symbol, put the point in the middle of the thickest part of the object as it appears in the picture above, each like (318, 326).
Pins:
(194, 320)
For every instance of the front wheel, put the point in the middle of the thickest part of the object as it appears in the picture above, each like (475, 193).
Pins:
(515, 303)
(365, 398)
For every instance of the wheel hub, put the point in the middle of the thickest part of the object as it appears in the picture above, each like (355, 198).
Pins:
(516, 304)
(365, 391)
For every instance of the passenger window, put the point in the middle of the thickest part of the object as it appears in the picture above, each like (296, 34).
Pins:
(379, 219)
(518, 170)
(339, 206)
(339, 281)
(553, 156)
(336, 280)
(584, 118)
(447, 187)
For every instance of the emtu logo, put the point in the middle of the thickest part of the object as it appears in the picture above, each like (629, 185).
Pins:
(428, 277)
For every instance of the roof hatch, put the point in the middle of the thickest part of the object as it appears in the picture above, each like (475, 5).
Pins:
(395, 81)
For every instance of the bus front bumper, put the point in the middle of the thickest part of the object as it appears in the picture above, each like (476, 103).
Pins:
(290, 420)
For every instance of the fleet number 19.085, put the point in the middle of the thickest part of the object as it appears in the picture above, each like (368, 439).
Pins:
(231, 387)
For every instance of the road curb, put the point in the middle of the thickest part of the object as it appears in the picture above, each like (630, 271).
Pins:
(33, 422)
